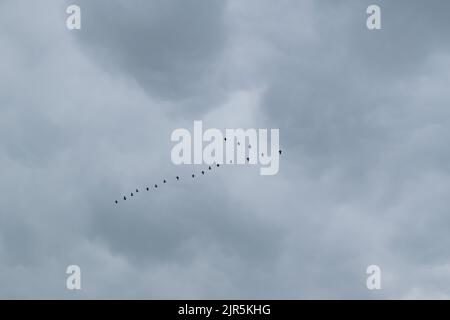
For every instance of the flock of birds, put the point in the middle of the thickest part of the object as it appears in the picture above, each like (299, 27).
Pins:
(178, 177)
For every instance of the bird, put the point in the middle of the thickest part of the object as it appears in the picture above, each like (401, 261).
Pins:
(156, 186)
(164, 181)
(137, 190)
(248, 159)
(116, 202)
(218, 165)
(209, 168)
(279, 151)
(132, 194)
(239, 143)
(147, 188)
(203, 172)
(124, 198)
(225, 138)
(178, 178)
(193, 175)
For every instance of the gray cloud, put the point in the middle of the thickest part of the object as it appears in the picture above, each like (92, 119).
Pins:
(170, 47)
(86, 117)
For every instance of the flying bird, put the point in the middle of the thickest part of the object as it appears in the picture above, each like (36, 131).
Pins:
(164, 181)
(203, 172)
(209, 168)
(132, 194)
(279, 152)
(248, 159)
(156, 186)
(178, 178)
(218, 165)
(137, 190)
(124, 198)
(193, 175)
(116, 202)
(147, 188)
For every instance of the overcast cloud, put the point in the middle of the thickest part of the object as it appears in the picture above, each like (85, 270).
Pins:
(86, 116)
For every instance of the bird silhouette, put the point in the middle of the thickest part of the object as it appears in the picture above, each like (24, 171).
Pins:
(193, 175)
(124, 198)
(116, 201)
(225, 139)
(279, 151)
(156, 186)
(147, 188)
(209, 168)
(178, 178)
(132, 194)
(137, 190)
(164, 181)
(248, 159)
(203, 172)
(218, 165)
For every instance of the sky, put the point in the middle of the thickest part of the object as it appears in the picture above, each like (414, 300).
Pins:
(86, 117)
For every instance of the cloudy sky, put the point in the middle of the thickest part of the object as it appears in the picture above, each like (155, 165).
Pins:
(86, 116)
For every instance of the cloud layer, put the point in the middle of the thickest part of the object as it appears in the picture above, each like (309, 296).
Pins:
(86, 116)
